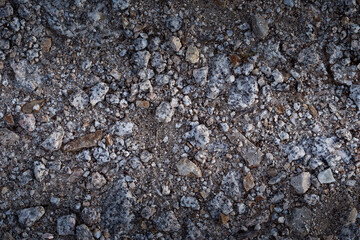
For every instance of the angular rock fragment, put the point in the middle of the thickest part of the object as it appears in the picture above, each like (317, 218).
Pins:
(101, 155)
(174, 23)
(87, 141)
(355, 95)
(66, 225)
(83, 233)
(27, 122)
(33, 106)
(200, 75)
(27, 77)
(252, 155)
(141, 59)
(120, 4)
(40, 171)
(122, 129)
(8, 137)
(175, 43)
(97, 181)
(54, 141)
(248, 182)
(244, 93)
(79, 100)
(29, 216)
(167, 222)
(219, 73)
(326, 176)
(189, 202)
(98, 93)
(199, 136)
(259, 26)
(164, 112)
(192, 54)
(300, 221)
(90, 216)
(187, 168)
(220, 204)
(231, 185)
(301, 183)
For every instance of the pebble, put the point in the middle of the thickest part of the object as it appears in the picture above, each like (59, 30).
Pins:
(90, 216)
(164, 112)
(200, 75)
(301, 221)
(244, 92)
(101, 155)
(175, 43)
(174, 23)
(79, 100)
(140, 44)
(86, 141)
(148, 212)
(66, 225)
(122, 129)
(190, 202)
(167, 222)
(295, 153)
(120, 4)
(187, 168)
(98, 93)
(301, 182)
(224, 219)
(199, 136)
(192, 54)
(141, 59)
(6, 11)
(259, 26)
(355, 95)
(248, 182)
(40, 171)
(230, 185)
(326, 176)
(27, 76)
(54, 141)
(97, 181)
(289, 3)
(27, 122)
(83, 233)
(29, 216)
(8, 137)
(219, 204)
(145, 156)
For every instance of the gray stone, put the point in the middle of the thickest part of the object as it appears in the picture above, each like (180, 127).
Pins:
(54, 141)
(167, 222)
(175, 43)
(326, 176)
(145, 156)
(289, 3)
(97, 181)
(259, 26)
(98, 93)
(164, 112)
(66, 225)
(101, 155)
(244, 93)
(148, 212)
(231, 185)
(192, 54)
(309, 57)
(302, 182)
(300, 221)
(295, 153)
(355, 95)
(162, 79)
(187, 168)
(8, 137)
(29, 216)
(140, 44)
(27, 76)
(40, 171)
(141, 59)
(158, 62)
(174, 23)
(83, 233)
(4, 44)
(90, 216)
(25, 177)
(6, 11)
(219, 73)
(27, 122)
(120, 4)
(200, 75)
(123, 129)
(190, 202)
(79, 100)
(219, 204)
(199, 136)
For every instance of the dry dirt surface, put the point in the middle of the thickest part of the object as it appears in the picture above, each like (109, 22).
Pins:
(166, 119)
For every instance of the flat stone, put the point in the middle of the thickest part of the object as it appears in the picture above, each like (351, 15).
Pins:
(98, 93)
(301, 182)
(259, 26)
(54, 141)
(8, 137)
(248, 182)
(164, 112)
(86, 141)
(66, 225)
(192, 54)
(187, 168)
(29, 216)
(326, 176)
(300, 221)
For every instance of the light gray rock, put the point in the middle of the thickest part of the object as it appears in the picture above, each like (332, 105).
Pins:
(244, 92)
(355, 95)
(120, 4)
(79, 100)
(29, 216)
(190, 202)
(326, 176)
(90, 216)
(231, 185)
(54, 141)
(148, 212)
(8, 137)
(97, 181)
(66, 225)
(301, 182)
(200, 75)
(27, 122)
(192, 54)
(174, 23)
(167, 222)
(199, 136)
(164, 112)
(259, 26)
(83, 233)
(98, 93)
(40, 171)
(300, 221)
(187, 168)
(295, 153)
(27, 76)
(309, 57)
(140, 44)
(141, 59)
(175, 43)
(101, 155)
(123, 129)
(219, 73)
(219, 204)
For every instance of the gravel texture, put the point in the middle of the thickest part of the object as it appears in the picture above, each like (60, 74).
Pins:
(163, 119)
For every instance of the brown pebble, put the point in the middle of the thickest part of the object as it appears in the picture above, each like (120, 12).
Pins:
(9, 119)
(142, 104)
(46, 44)
(87, 141)
(248, 182)
(224, 219)
(313, 111)
(109, 140)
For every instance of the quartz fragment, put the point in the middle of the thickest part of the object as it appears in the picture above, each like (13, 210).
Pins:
(301, 183)
(29, 216)
(326, 176)
(187, 168)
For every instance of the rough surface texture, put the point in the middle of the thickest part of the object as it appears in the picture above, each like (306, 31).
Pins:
(191, 119)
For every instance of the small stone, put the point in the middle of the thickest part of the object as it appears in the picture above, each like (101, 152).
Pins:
(164, 112)
(192, 54)
(87, 141)
(187, 168)
(27, 76)
(189, 202)
(6, 11)
(46, 44)
(98, 93)
(145, 156)
(9, 119)
(141, 59)
(29, 216)
(54, 141)
(300, 221)
(278, 77)
(122, 129)
(220, 204)
(301, 183)
(224, 219)
(40, 171)
(148, 212)
(8, 137)
(101, 155)
(167, 222)
(355, 95)
(326, 176)
(174, 23)
(289, 3)
(244, 92)
(199, 136)
(97, 181)
(200, 75)
(79, 100)
(175, 43)
(115, 74)
(295, 153)
(83, 233)
(230, 185)
(33, 106)
(259, 26)
(90, 216)
(140, 44)
(27, 122)
(248, 182)
(66, 225)
(201, 156)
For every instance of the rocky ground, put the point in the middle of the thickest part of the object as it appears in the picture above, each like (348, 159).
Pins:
(194, 119)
